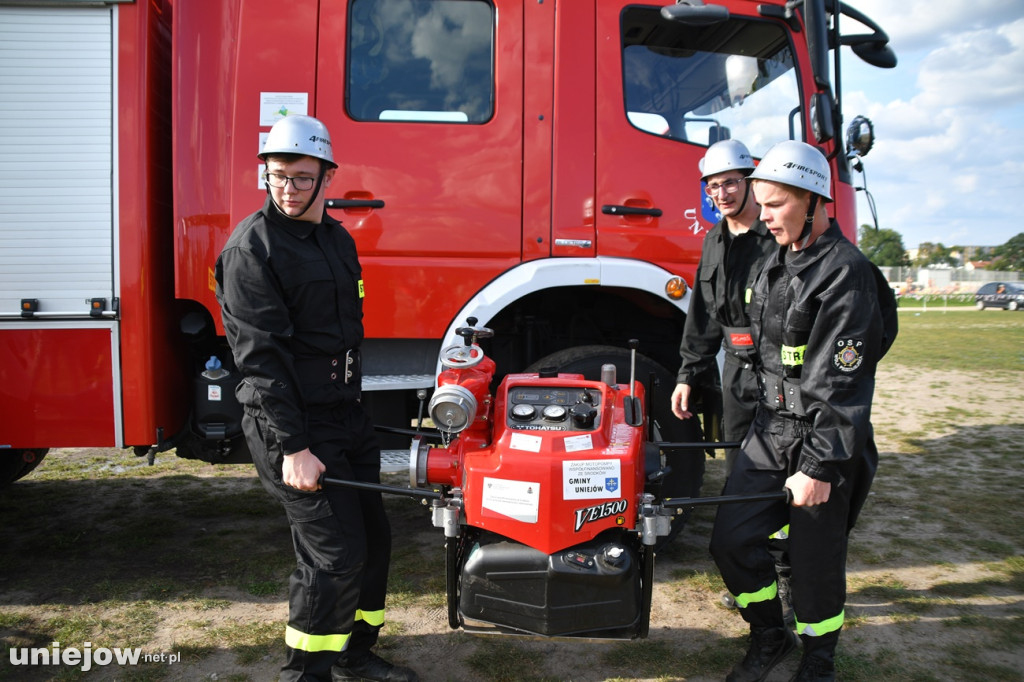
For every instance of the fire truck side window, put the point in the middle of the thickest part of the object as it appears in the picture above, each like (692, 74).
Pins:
(420, 60)
(702, 84)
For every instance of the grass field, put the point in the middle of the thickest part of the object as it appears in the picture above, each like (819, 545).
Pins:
(190, 560)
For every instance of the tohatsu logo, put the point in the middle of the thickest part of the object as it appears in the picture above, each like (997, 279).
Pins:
(598, 512)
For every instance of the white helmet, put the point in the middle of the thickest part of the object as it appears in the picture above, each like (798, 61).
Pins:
(725, 156)
(299, 135)
(797, 164)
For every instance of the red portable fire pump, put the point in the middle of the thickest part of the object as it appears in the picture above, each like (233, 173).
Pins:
(547, 492)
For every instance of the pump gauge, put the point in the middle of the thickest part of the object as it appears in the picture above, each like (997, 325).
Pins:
(554, 413)
(523, 412)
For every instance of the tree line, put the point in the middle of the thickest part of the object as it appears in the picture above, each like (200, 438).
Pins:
(884, 247)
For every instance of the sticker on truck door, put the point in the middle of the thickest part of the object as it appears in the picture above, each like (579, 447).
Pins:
(276, 105)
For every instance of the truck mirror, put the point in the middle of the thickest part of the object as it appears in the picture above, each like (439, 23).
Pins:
(860, 136)
(817, 40)
(876, 54)
(821, 117)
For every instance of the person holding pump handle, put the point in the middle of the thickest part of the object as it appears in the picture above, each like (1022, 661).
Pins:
(290, 288)
(821, 318)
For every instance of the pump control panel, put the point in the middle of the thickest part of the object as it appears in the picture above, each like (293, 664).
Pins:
(544, 408)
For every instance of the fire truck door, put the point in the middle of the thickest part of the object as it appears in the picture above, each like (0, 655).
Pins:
(648, 195)
(424, 103)
(666, 91)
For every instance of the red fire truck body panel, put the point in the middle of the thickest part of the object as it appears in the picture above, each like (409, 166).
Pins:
(531, 164)
(61, 385)
(151, 355)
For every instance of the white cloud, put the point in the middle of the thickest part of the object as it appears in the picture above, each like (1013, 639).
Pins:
(949, 120)
(975, 69)
(916, 24)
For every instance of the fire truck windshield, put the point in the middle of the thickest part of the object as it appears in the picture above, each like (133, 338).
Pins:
(701, 84)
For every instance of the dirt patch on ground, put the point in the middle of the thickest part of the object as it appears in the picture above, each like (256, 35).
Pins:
(190, 561)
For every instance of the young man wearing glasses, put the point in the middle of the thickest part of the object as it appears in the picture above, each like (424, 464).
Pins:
(291, 293)
(731, 257)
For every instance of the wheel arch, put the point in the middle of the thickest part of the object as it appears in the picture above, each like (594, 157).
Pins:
(547, 305)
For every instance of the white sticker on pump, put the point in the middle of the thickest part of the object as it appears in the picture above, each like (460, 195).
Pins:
(577, 443)
(522, 441)
(517, 500)
(588, 479)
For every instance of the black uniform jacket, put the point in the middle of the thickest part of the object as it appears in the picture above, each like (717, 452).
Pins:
(728, 266)
(825, 305)
(291, 300)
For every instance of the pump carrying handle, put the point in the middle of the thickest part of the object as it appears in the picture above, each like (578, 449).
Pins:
(781, 495)
(380, 488)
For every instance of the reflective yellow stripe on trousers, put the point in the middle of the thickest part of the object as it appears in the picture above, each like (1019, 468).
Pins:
(374, 618)
(823, 628)
(303, 642)
(764, 594)
(780, 534)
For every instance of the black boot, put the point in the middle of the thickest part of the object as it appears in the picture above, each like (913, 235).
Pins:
(815, 670)
(818, 661)
(369, 666)
(768, 647)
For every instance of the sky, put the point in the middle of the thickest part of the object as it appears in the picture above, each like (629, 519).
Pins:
(948, 159)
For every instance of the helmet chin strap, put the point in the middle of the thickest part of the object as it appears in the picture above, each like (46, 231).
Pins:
(746, 195)
(312, 198)
(805, 234)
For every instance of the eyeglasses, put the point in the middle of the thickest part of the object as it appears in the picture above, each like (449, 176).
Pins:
(300, 183)
(730, 186)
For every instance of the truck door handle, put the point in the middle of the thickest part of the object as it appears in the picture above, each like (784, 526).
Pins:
(354, 203)
(616, 209)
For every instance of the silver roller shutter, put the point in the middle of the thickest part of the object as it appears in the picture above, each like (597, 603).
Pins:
(56, 158)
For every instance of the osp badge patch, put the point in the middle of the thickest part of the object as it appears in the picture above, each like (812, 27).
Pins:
(847, 357)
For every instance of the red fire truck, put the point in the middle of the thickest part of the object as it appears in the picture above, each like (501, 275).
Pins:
(529, 163)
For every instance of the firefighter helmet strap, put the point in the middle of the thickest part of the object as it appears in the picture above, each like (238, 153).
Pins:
(312, 198)
(805, 234)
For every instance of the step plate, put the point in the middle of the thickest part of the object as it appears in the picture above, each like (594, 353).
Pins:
(394, 461)
(396, 382)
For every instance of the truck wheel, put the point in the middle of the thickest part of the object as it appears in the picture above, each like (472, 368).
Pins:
(18, 463)
(687, 466)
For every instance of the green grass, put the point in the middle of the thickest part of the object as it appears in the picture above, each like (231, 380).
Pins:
(962, 340)
(933, 301)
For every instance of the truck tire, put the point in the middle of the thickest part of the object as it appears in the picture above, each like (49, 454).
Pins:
(18, 463)
(686, 473)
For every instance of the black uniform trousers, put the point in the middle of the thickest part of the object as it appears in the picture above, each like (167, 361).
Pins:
(341, 536)
(817, 536)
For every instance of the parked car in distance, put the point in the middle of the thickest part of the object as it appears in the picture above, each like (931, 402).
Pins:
(1007, 295)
